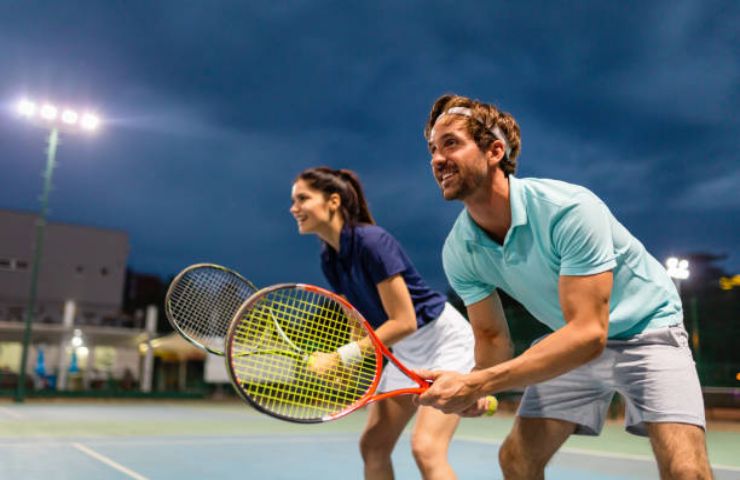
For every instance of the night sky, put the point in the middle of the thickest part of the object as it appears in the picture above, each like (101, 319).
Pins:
(212, 108)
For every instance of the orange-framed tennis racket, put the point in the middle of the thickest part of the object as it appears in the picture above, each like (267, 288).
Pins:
(291, 380)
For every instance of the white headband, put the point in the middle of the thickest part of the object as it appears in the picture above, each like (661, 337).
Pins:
(466, 112)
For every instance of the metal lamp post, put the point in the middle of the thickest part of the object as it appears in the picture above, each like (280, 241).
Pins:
(48, 116)
(678, 270)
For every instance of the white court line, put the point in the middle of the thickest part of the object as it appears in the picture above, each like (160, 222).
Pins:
(594, 453)
(108, 461)
(192, 441)
(10, 413)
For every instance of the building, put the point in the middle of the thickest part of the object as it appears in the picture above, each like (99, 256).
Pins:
(80, 335)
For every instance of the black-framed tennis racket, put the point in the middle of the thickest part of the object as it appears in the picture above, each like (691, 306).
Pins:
(201, 301)
(280, 372)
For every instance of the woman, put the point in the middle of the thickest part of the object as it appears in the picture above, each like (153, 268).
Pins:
(364, 263)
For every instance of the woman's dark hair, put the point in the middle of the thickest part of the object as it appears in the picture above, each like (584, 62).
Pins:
(347, 185)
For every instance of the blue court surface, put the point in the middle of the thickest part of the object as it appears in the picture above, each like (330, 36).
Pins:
(182, 440)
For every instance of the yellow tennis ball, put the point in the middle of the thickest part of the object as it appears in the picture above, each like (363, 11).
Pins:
(492, 405)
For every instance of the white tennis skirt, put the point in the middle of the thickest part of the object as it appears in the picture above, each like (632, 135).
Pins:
(444, 344)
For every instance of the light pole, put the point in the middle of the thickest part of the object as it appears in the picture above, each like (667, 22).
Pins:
(678, 270)
(68, 120)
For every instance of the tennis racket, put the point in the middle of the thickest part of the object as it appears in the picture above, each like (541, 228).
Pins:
(281, 377)
(202, 300)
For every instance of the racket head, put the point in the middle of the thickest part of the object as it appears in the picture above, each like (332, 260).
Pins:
(201, 301)
(269, 347)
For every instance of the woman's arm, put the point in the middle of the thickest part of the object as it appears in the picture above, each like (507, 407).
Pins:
(396, 299)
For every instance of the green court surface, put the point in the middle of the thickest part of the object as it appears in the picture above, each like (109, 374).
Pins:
(208, 439)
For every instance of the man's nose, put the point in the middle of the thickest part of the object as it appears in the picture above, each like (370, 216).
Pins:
(438, 160)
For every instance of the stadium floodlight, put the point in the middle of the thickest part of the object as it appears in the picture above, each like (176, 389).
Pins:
(26, 108)
(89, 121)
(47, 115)
(677, 268)
(48, 112)
(69, 117)
(50, 115)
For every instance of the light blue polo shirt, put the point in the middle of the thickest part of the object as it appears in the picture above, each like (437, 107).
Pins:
(560, 229)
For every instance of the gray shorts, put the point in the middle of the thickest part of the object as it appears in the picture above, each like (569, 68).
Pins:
(654, 372)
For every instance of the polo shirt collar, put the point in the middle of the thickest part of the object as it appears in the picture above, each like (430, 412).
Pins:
(518, 204)
(346, 237)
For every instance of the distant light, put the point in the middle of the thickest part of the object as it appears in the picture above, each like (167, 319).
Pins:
(737, 377)
(26, 108)
(728, 283)
(678, 269)
(49, 112)
(69, 117)
(89, 121)
(77, 338)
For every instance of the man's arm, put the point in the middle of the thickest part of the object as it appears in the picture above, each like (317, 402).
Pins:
(492, 339)
(585, 304)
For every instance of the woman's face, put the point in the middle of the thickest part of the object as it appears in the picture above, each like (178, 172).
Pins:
(310, 208)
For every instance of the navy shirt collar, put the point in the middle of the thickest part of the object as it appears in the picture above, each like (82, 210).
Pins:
(346, 240)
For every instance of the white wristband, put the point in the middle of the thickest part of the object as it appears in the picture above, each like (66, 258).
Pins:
(350, 354)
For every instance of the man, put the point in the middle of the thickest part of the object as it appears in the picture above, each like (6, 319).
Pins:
(557, 249)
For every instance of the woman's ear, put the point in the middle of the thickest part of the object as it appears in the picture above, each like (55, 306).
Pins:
(335, 201)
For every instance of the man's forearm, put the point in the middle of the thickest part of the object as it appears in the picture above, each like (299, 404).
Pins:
(556, 354)
(490, 351)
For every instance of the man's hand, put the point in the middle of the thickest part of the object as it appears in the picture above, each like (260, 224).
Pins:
(451, 392)
(483, 406)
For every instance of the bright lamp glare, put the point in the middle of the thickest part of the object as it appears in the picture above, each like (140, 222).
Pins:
(677, 268)
(76, 341)
(89, 121)
(69, 117)
(49, 112)
(26, 108)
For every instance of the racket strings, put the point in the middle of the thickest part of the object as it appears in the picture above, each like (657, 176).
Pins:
(273, 341)
(203, 301)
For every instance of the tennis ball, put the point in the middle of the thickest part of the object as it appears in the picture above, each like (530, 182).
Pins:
(492, 405)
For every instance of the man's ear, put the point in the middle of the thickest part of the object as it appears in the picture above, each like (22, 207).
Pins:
(495, 152)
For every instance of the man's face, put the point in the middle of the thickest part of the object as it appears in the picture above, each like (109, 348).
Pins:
(459, 166)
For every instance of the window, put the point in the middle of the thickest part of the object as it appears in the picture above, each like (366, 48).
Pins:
(12, 264)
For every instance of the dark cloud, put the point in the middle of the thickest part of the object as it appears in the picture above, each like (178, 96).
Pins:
(212, 108)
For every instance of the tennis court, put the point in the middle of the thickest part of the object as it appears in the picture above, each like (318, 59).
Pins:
(226, 439)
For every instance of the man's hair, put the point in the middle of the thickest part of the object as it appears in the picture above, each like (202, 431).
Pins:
(485, 117)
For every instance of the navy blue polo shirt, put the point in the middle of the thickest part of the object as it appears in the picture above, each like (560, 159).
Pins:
(367, 256)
